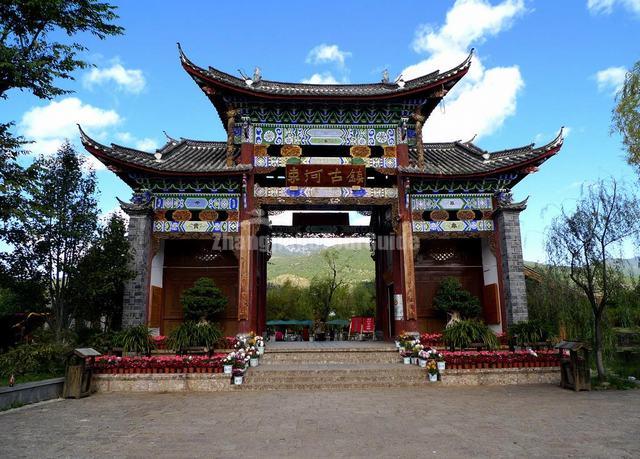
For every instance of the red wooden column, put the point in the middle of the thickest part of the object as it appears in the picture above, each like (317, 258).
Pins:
(404, 243)
(248, 294)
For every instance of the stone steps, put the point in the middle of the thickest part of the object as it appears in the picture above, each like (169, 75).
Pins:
(325, 357)
(296, 373)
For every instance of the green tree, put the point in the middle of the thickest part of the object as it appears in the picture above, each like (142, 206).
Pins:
(356, 300)
(626, 115)
(452, 298)
(288, 302)
(323, 289)
(97, 287)
(203, 301)
(57, 228)
(33, 58)
(586, 240)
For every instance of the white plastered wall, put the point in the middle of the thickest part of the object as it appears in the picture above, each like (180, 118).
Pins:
(157, 266)
(490, 272)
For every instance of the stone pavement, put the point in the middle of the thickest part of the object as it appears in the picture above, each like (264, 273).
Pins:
(506, 421)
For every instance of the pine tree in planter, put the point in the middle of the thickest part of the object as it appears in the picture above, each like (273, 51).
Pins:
(455, 301)
(203, 302)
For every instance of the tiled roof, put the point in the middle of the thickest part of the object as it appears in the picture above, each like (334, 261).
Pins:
(465, 158)
(176, 156)
(277, 88)
(187, 156)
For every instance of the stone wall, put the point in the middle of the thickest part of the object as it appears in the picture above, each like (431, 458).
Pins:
(501, 377)
(515, 292)
(177, 382)
(136, 290)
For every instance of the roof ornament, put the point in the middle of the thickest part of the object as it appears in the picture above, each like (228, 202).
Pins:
(248, 81)
(385, 76)
(472, 139)
(399, 81)
(169, 138)
(257, 75)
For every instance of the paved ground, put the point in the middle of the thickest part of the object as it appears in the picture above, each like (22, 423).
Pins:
(542, 421)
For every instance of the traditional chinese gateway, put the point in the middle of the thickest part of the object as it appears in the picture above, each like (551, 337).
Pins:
(201, 208)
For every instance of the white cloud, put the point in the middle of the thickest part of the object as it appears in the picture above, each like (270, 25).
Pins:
(105, 216)
(49, 125)
(606, 6)
(145, 144)
(468, 21)
(91, 162)
(323, 54)
(481, 102)
(321, 78)
(128, 80)
(611, 79)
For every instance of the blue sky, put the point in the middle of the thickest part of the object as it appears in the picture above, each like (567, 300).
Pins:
(539, 65)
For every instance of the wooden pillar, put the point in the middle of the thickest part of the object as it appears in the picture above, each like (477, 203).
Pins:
(249, 251)
(405, 265)
(247, 314)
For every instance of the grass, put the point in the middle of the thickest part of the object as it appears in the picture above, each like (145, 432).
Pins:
(4, 380)
(613, 381)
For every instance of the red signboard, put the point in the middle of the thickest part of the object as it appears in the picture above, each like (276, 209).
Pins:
(325, 175)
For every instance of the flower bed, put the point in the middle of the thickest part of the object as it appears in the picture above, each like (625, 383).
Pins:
(500, 359)
(159, 364)
(431, 339)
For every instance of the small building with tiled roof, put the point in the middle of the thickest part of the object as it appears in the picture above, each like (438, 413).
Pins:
(201, 208)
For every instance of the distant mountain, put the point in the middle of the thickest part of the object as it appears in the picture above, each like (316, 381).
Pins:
(284, 250)
(302, 262)
(629, 266)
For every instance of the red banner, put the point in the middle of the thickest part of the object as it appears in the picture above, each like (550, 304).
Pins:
(325, 175)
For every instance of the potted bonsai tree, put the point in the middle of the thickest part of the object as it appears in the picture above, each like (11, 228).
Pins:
(456, 302)
(201, 305)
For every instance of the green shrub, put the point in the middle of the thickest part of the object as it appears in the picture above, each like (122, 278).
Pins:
(135, 339)
(99, 340)
(203, 301)
(34, 358)
(194, 334)
(451, 297)
(463, 333)
(529, 331)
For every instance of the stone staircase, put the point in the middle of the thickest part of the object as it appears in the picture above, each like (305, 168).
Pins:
(332, 369)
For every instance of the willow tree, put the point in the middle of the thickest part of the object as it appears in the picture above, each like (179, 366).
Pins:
(626, 115)
(586, 240)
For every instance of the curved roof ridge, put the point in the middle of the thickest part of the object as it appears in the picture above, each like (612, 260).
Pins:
(367, 89)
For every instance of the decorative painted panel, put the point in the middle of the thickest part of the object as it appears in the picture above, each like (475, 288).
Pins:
(482, 185)
(195, 227)
(451, 202)
(279, 161)
(196, 212)
(196, 201)
(319, 134)
(324, 192)
(455, 226)
(363, 114)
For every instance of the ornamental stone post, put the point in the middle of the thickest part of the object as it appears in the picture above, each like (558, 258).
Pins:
(507, 219)
(136, 290)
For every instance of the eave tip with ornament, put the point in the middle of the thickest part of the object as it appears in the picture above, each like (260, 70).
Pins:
(465, 160)
(177, 158)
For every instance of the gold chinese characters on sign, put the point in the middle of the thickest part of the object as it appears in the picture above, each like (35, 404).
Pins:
(325, 175)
